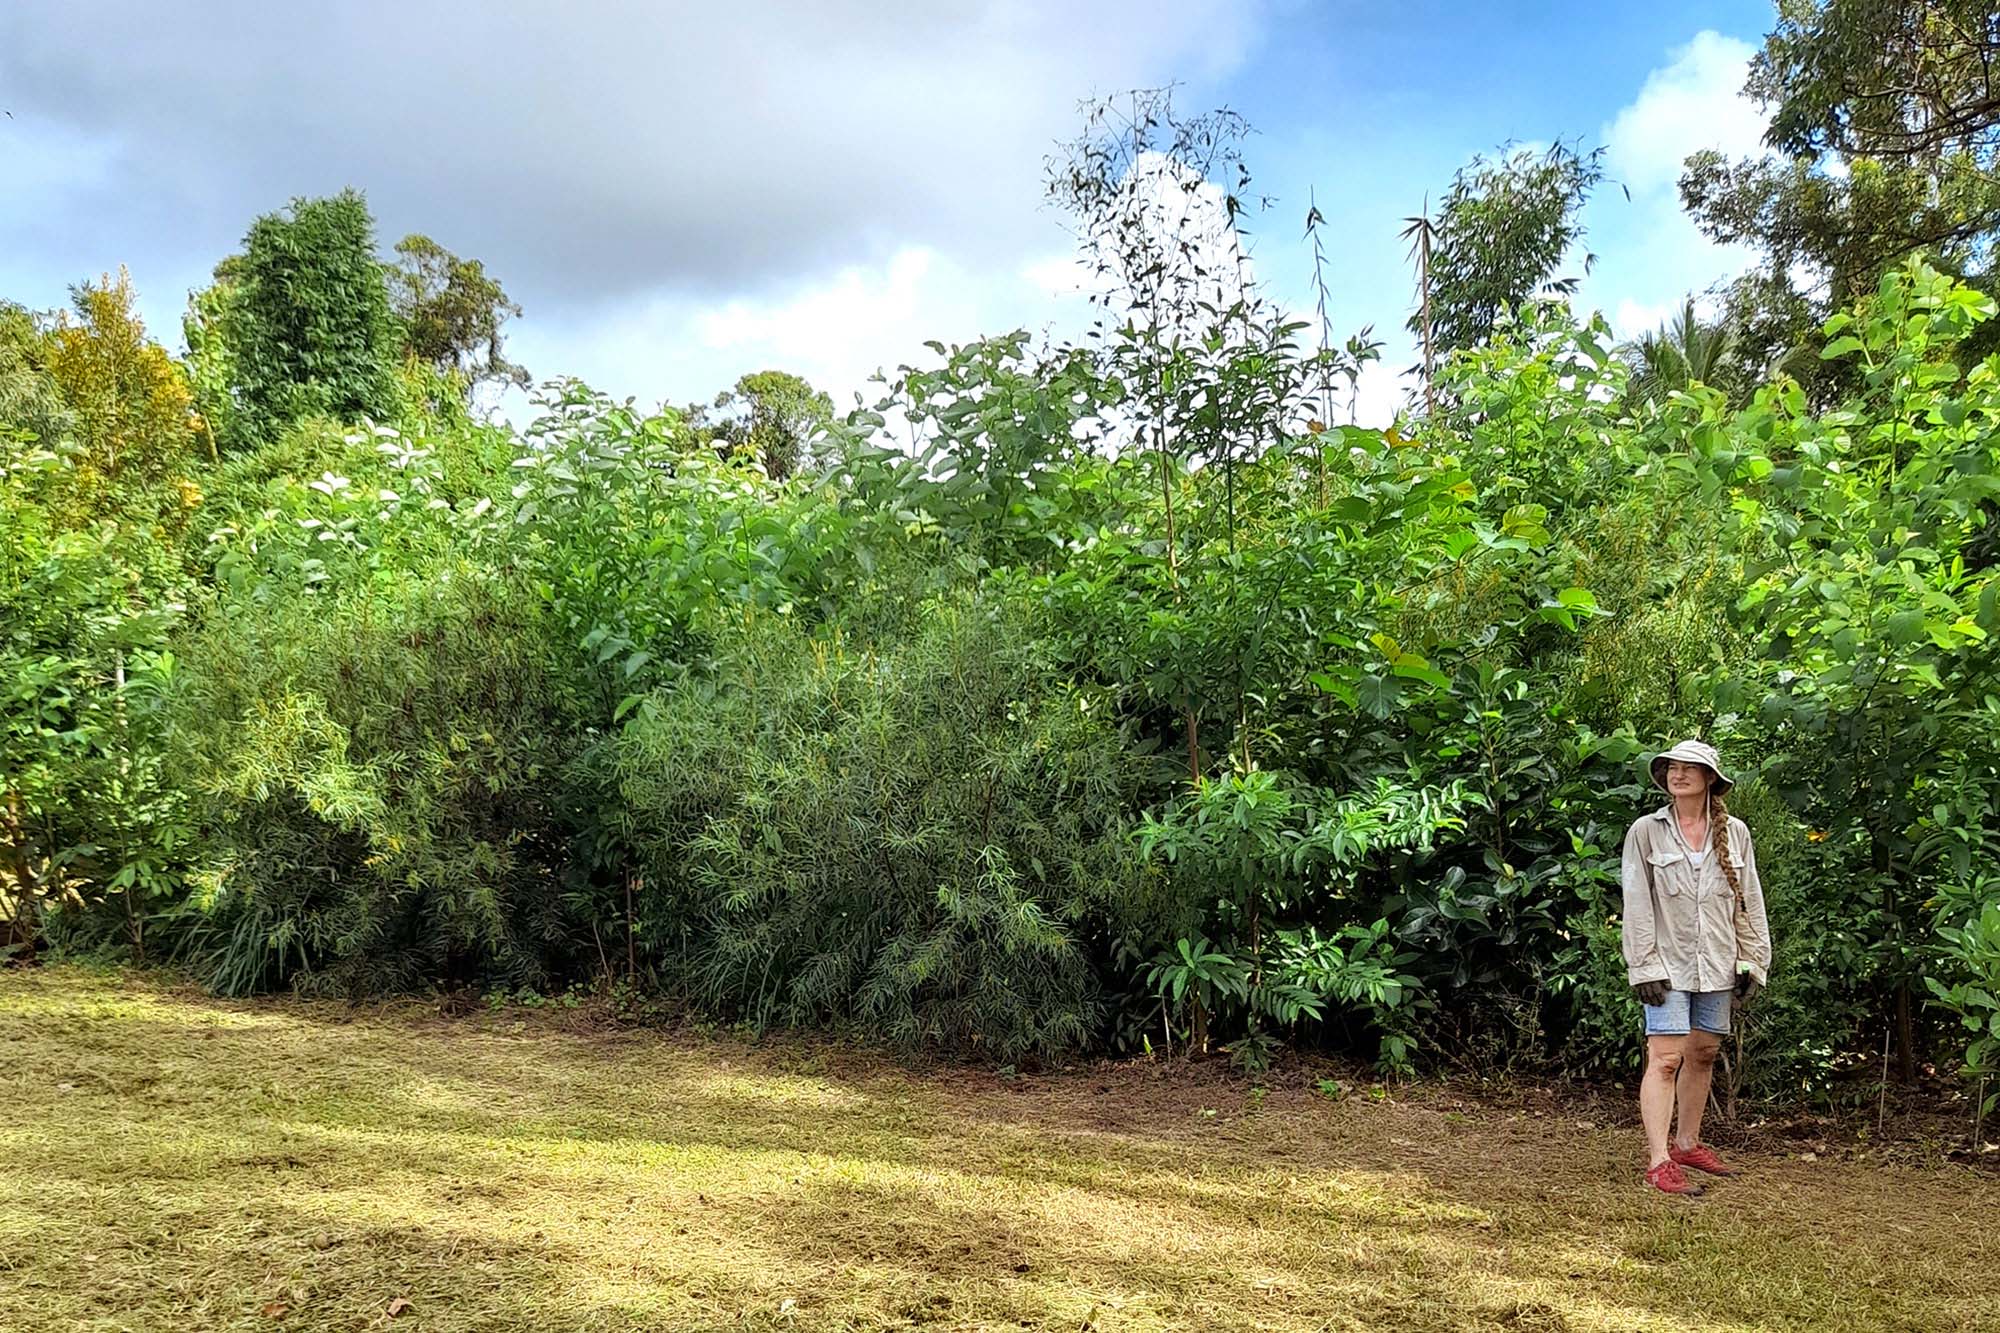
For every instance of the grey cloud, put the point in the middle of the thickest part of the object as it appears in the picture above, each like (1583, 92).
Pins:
(582, 150)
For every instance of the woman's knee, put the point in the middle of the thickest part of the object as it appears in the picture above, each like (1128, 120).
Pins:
(1665, 1064)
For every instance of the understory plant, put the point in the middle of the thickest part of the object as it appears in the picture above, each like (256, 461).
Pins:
(1253, 851)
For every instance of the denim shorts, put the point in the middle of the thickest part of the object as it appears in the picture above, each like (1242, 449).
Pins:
(1703, 1011)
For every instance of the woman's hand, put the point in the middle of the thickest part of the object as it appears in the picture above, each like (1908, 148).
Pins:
(1651, 992)
(1747, 987)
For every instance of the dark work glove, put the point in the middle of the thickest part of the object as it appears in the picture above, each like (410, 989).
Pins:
(1747, 987)
(1650, 992)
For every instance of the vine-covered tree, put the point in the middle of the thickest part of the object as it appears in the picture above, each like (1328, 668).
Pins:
(313, 332)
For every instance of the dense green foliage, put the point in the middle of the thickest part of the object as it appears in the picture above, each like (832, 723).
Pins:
(312, 330)
(1135, 706)
(929, 837)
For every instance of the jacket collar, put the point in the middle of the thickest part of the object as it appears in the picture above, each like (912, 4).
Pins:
(1665, 814)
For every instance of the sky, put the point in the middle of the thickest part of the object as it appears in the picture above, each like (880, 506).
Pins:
(678, 194)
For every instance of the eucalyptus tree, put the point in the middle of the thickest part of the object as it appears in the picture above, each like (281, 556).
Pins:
(451, 312)
(1156, 197)
(772, 414)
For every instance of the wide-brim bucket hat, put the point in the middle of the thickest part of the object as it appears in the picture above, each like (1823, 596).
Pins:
(1692, 752)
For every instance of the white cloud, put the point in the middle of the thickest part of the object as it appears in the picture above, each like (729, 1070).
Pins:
(588, 150)
(829, 321)
(674, 193)
(1060, 275)
(1653, 255)
(837, 330)
(1385, 390)
(1694, 102)
(1632, 318)
(840, 329)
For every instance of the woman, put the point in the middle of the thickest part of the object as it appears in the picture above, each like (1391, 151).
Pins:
(1695, 937)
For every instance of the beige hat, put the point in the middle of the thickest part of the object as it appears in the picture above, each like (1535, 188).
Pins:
(1692, 752)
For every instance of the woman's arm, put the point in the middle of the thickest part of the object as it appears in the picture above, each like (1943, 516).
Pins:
(1753, 929)
(1642, 950)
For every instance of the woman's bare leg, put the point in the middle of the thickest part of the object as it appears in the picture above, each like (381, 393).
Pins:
(1697, 1072)
(1656, 1093)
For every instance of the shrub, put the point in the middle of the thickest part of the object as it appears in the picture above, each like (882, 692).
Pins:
(928, 838)
(378, 774)
(90, 824)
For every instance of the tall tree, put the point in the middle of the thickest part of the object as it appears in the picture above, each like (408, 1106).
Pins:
(771, 414)
(451, 313)
(1885, 126)
(134, 415)
(313, 328)
(1157, 197)
(1499, 237)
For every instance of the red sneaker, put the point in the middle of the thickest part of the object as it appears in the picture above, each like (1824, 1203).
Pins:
(1668, 1178)
(1701, 1159)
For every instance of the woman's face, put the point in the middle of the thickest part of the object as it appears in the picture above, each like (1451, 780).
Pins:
(1685, 779)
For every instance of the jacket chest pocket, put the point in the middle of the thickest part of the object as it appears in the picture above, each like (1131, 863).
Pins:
(1672, 875)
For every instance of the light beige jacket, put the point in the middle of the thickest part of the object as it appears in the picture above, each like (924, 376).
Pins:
(1682, 925)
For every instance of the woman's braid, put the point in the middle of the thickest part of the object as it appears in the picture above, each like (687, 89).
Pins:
(1718, 836)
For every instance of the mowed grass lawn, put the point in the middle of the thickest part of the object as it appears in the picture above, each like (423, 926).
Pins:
(173, 1162)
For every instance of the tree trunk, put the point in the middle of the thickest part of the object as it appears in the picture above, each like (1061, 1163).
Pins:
(631, 932)
(1256, 942)
(1174, 582)
(1884, 866)
(1906, 1065)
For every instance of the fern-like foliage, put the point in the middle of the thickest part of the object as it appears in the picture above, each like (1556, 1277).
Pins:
(375, 776)
(922, 839)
